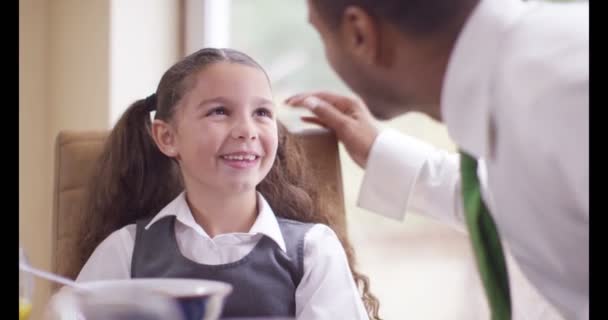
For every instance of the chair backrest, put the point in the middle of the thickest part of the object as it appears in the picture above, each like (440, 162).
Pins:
(77, 151)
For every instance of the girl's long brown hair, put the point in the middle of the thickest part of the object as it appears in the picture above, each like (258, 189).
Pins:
(133, 179)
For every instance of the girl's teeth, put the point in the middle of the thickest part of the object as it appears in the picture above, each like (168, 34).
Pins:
(240, 158)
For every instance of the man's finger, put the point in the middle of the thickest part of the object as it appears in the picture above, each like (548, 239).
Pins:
(327, 113)
(298, 97)
(341, 103)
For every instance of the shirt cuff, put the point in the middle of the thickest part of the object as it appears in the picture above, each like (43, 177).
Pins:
(394, 163)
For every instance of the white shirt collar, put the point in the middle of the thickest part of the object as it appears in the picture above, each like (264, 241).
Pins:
(266, 222)
(467, 86)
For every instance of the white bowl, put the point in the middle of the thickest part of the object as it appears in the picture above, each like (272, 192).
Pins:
(194, 299)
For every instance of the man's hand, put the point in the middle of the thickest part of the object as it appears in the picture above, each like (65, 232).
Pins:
(349, 118)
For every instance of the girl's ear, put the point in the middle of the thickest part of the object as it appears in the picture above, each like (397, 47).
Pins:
(164, 137)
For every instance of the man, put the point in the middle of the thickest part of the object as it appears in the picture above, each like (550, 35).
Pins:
(510, 81)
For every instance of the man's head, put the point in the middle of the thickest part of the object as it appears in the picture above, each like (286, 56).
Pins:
(393, 53)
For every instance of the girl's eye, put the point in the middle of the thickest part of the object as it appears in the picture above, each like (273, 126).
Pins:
(263, 112)
(218, 111)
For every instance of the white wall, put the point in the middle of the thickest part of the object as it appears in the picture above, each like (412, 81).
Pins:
(145, 42)
(207, 24)
(34, 178)
(62, 85)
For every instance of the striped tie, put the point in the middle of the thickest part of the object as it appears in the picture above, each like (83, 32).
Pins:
(486, 242)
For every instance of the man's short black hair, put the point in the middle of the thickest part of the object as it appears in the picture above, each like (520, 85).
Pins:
(416, 17)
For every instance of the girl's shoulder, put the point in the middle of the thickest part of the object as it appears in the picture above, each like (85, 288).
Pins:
(123, 237)
(294, 222)
(304, 228)
(317, 226)
(310, 231)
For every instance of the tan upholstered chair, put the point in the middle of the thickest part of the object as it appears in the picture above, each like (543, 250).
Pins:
(76, 153)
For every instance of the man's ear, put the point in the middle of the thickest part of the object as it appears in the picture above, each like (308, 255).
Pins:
(360, 33)
(164, 137)
(368, 38)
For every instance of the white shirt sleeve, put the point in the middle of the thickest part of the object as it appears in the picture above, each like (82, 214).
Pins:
(112, 257)
(327, 289)
(406, 173)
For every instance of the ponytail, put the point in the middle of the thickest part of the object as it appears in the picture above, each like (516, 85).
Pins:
(132, 179)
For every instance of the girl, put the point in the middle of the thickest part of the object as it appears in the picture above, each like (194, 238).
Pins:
(214, 188)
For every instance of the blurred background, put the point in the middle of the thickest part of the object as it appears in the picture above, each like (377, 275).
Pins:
(81, 63)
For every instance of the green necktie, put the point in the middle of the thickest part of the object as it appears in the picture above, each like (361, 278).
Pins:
(486, 242)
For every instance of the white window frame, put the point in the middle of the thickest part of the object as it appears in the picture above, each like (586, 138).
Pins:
(207, 24)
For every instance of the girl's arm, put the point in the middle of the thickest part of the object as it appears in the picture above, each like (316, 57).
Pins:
(327, 289)
(112, 257)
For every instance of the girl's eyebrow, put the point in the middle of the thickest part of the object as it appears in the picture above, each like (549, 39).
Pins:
(222, 100)
(225, 100)
(262, 100)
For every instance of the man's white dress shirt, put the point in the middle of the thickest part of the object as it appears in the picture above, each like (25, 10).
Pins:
(326, 291)
(516, 96)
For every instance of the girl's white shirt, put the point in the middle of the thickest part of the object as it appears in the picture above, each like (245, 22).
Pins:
(326, 291)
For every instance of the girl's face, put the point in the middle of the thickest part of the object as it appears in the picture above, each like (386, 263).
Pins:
(225, 130)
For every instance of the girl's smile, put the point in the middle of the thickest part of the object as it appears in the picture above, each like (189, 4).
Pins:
(241, 159)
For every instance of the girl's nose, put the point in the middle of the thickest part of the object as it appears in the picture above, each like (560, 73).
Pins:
(244, 130)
